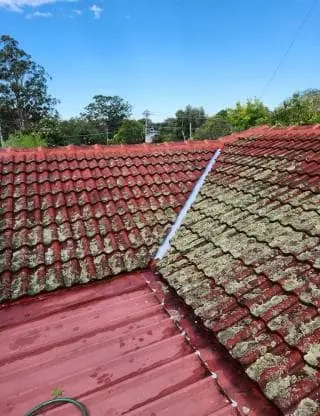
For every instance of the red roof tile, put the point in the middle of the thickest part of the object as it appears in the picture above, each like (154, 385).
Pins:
(68, 211)
(247, 260)
(127, 346)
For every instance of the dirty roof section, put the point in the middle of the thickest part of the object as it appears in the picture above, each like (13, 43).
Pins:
(247, 260)
(120, 347)
(75, 214)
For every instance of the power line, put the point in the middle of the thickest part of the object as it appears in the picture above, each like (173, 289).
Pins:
(287, 51)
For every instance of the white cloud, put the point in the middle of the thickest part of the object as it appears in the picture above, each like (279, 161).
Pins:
(19, 5)
(38, 14)
(96, 10)
(77, 12)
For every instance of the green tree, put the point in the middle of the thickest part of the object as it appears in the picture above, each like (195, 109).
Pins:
(50, 130)
(130, 131)
(189, 117)
(244, 116)
(167, 130)
(25, 140)
(24, 97)
(223, 114)
(73, 131)
(107, 113)
(151, 124)
(301, 108)
(213, 128)
(312, 95)
(8, 121)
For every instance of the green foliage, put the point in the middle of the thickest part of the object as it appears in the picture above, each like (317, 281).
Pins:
(241, 117)
(213, 128)
(178, 128)
(190, 115)
(244, 116)
(56, 392)
(167, 130)
(302, 108)
(24, 98)
(73, 131)
(130, 131)
(107, 113)
(8, 121)
(49, 129)
(25, 140)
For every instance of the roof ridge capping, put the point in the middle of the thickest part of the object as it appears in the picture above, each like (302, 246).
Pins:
(165, 246)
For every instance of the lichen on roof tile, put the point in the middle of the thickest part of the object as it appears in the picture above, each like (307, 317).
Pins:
(254, 232)
(307, 407)
(261, 364)
(312, 355)
(90, 198)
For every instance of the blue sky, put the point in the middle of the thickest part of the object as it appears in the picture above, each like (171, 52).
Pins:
(165, 54)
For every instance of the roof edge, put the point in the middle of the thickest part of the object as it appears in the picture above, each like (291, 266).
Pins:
(114, 148)
(256, 131)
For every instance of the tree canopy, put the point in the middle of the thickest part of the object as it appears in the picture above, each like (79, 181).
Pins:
(215, 127)
(192, 117)
(167, 130)
(301, 108)
(73, 131)
(130, 131)
(107, 112)
(24, 97)
(250, 114)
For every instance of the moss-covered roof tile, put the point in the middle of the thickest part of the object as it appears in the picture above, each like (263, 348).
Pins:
(250, 246)
(77, 216)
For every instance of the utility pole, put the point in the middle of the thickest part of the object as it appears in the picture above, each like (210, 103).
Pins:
(146, 114)
(190, 131)
(107, 128)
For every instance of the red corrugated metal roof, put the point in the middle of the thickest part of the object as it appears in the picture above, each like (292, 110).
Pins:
(247, 260)
(75, 214)
(126, 346)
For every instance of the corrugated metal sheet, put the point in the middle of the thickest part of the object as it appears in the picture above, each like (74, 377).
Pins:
(117, 349)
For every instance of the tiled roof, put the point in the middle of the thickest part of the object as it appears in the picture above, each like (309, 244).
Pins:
(75, 214)
(247, 260)
(121, 347)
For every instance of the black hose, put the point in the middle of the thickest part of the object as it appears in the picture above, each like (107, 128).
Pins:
(57, 400)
